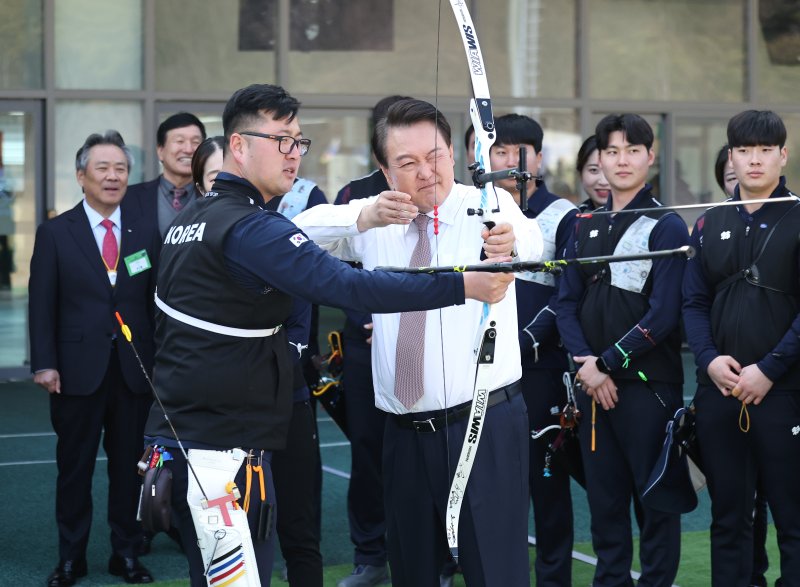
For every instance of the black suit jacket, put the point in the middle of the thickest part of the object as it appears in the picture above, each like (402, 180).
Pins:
(72, 304)
(145, 196)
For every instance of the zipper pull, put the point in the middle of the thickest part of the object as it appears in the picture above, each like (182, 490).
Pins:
(747, 231)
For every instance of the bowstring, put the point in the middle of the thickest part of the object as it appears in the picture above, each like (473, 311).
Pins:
(436, 228)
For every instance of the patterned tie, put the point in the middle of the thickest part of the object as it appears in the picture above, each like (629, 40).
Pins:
(409, 375)
(110, 248)
(177, 194)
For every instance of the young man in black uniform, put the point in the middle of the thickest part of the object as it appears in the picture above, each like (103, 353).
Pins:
(740, 308)
(620, 322)
(228, 272)
(544, 359)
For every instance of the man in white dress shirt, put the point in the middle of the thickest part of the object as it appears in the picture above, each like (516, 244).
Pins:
(428, 420)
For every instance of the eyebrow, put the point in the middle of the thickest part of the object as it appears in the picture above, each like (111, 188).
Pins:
(105, 162)
(410, 156)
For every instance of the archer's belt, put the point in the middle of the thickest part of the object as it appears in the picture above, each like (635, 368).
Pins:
(438, 419)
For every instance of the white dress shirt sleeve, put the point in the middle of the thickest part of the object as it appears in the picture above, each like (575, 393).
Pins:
(334, 228)
(529, 243)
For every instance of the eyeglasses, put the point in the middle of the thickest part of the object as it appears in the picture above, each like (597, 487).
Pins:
(283, 140)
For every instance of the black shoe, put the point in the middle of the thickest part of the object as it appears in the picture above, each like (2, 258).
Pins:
(67, 572)
(129, 568)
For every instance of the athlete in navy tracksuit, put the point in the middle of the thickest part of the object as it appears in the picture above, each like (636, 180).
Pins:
(620, 322)
(544, 362)
(544, 359)
(742, 315)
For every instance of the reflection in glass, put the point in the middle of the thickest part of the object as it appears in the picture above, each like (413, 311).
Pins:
(17, 229)
(21, 34)
(198, 50)
(98, 44)
(559, 148)
(319, 25)
(697, 142)
(76, 120)
(529, 47)
(409, 67)
(341, 149)
(778, 50)
(688, 50)
(792, 169)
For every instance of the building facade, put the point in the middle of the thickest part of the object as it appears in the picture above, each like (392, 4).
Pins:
(72, 67)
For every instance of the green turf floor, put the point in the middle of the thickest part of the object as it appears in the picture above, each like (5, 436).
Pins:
(28, 549)
(694, 570)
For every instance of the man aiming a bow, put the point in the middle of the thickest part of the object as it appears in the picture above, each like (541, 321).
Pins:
(620, 322)
(423, 364)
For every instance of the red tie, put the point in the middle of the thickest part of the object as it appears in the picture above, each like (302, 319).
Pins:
(110, 248)
(177, 194)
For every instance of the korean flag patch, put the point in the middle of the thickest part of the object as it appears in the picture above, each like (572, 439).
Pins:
(298, 239)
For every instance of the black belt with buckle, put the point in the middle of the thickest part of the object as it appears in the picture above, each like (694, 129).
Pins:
(438, 419)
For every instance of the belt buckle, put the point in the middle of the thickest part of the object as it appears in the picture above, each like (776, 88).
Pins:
(420, 425)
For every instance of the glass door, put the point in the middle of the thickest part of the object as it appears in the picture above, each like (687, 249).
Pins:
(21, 208)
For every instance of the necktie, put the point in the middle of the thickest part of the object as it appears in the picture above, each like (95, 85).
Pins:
(110, 247)
(177, 194)
(409, 375)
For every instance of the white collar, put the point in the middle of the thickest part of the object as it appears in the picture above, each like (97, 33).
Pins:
(95, 218)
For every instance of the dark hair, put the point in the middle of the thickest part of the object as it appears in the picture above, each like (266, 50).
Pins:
(246, 106)
(516, 129)
(406, 113)
(719, 166)
(469, 136)
(179, 120)
(111, 137)
(588, 147)
(756, 127)
(636, 129)
(382, 107)
(207, 148)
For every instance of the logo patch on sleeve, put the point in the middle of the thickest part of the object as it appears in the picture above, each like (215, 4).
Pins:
(298, 239)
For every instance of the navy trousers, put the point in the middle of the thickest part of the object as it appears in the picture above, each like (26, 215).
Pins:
(365, 423)
(117, 414)
(493, 529)
(297, 471)
(544, 392)
(628, 439)
(733, 463)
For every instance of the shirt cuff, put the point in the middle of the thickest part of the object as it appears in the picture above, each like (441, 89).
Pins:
(772, 367)
(612, 359)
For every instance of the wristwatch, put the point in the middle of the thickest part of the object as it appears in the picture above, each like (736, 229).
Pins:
(602, 366)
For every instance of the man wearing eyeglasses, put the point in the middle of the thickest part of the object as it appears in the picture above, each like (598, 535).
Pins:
(228, 272)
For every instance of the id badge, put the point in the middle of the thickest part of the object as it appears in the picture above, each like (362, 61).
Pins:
(137, 262)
